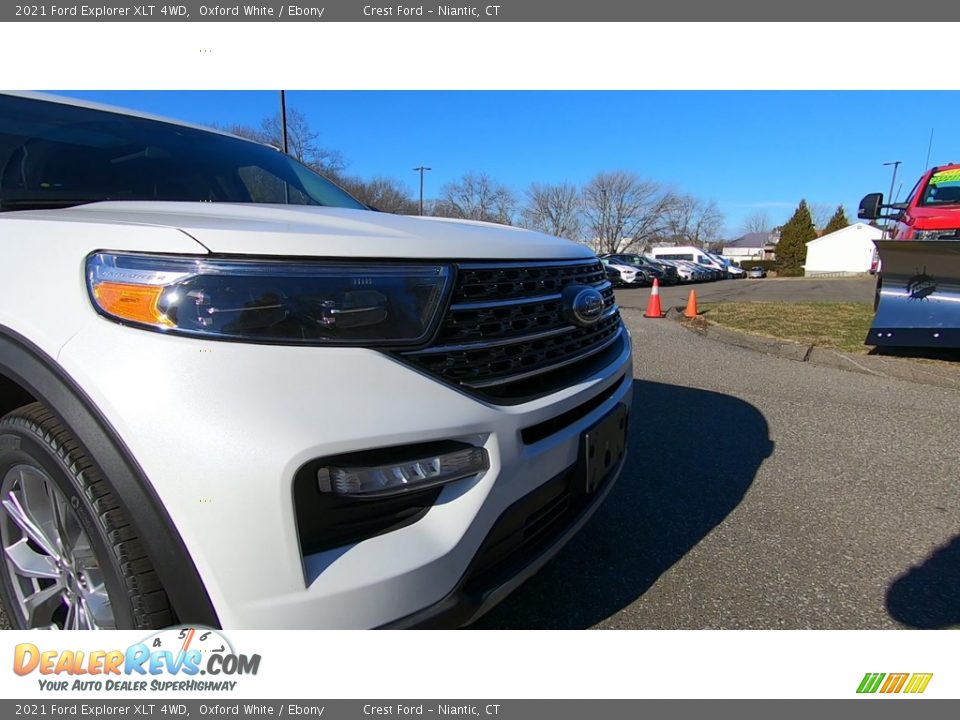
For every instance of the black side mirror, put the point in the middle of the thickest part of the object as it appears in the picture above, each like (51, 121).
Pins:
(870, 206)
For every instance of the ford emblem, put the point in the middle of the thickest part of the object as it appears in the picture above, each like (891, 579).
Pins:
(582, 306)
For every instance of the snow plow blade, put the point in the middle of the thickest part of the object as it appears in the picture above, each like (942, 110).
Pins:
(918, 294)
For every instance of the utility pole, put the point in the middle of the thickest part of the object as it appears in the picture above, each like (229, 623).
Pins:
(421, 170)
(896, 164)
(283, 135)
(283, 122)
(926, 164)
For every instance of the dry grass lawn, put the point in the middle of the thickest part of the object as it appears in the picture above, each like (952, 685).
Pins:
(830, 324)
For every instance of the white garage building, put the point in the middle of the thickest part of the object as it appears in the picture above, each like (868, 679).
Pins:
(845, 252)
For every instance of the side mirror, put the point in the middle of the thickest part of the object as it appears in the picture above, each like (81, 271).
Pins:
(870, 206)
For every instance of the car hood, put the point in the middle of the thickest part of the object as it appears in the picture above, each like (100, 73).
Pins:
(304, 231)
(941, 217)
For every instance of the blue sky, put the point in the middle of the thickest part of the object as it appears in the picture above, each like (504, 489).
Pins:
(748, 151)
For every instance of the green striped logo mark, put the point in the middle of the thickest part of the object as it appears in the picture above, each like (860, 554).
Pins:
(914, 683)
(871, 682)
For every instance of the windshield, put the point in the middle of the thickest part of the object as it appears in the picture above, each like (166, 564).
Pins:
(56, 155)
(943, 188)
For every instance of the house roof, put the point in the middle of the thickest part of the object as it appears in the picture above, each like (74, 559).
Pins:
(867, 231)
(751, 240)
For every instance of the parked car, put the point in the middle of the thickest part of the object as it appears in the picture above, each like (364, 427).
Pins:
(688, 253)
(731, 271)
(736, 272)
(231, 395)
(666, 274)
(700, 273)
(710, 271)
(613, 275)
(684, 273)
(629, 276)
(670, 275)
(757, 271)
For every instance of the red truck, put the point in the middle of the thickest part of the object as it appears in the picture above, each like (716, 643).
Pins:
(918, 282)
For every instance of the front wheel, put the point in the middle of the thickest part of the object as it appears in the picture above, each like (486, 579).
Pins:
(71, 556)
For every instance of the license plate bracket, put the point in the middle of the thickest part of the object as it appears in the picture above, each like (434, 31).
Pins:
(602, 447)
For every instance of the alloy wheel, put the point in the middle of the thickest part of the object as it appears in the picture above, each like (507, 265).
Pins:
(49, 559)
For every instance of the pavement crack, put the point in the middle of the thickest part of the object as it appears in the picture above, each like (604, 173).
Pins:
(859, 365)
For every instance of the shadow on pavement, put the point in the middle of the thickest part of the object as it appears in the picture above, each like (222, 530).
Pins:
(693, 455)
(928, 596)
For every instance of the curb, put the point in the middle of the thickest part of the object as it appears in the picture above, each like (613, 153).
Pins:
(879, 366)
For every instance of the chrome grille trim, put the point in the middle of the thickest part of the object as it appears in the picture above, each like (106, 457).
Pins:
(515, 340)
(484, 304)
(503, 380)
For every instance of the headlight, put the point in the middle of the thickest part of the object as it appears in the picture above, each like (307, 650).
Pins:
(306, 303)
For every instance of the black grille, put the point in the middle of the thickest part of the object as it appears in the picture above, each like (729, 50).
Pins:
(505, 326)
(513, 280)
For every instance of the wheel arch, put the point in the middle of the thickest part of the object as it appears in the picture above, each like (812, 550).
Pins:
(26, 372)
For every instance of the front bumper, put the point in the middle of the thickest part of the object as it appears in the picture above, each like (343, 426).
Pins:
(220, 429)
(489, 580)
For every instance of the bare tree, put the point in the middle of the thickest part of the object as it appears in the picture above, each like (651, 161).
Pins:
(553, 209)
(384, 194)
(476, 196)
(821, 214)
(691, 221)
(623, 211)
(303, 142)
(756, 222)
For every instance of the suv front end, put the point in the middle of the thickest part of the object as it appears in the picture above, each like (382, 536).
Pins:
(338, 418)
(243, 442)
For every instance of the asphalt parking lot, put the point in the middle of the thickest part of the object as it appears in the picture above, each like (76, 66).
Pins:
(855, 289)
(763, 493)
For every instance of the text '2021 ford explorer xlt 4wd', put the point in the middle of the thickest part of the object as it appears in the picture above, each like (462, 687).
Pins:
(234, 396)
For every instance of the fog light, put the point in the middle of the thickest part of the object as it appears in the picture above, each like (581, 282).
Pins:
(392, 479)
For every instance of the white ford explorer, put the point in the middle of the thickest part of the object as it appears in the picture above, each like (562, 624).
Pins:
(232, 395)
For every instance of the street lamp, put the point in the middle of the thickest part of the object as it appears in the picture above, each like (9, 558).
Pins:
(896, 164)
(421, 170)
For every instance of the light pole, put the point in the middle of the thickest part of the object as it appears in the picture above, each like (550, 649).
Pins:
(421, 170)
(283, 122)
(896, 164)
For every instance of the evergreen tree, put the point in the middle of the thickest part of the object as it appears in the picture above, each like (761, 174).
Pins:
(837, 222)
(796, 233)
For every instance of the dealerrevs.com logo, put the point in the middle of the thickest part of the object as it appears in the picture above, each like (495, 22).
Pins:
(172, 659)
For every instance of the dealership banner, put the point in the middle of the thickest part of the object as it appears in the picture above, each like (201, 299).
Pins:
(488, 710)
(482, 673)
(486, 11)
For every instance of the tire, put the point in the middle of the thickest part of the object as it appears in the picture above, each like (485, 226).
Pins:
(70, 555)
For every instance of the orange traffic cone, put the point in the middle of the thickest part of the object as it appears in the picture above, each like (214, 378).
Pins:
(653, 304)
(691, 311)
